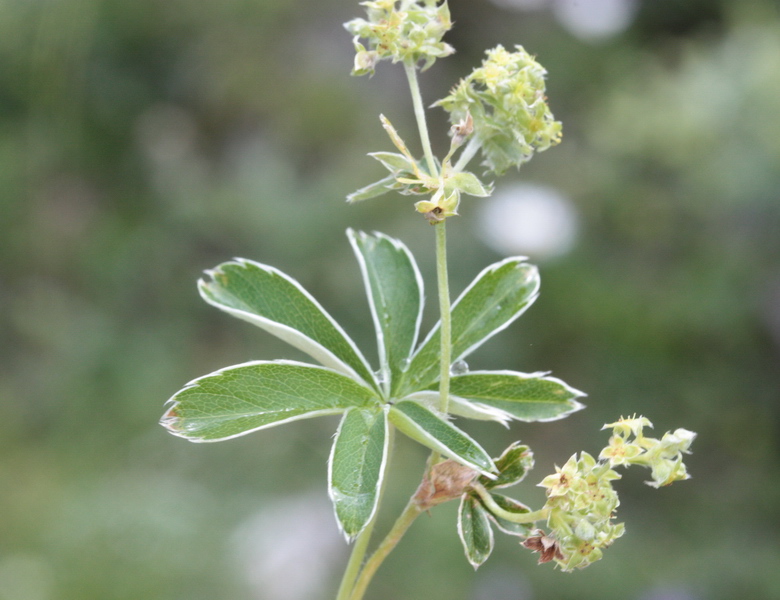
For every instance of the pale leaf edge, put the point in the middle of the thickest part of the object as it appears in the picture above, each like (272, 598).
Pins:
(433, 443)
(286, 333)
(380, 482)
(352, 235)
(462, 534)
(172, 402)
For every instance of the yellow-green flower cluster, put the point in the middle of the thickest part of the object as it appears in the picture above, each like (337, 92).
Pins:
(505, 98)
(581, 502)
(401, 31)
(580, 505)
(629, 446)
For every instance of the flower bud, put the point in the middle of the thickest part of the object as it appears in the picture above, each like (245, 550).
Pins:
(439, 207)
(461, 130)
(365, 60)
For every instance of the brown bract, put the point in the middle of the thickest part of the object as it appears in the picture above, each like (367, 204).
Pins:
(547, 547)
(447, 480)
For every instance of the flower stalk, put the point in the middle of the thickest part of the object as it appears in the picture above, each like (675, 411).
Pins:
(514, 517)
(419, 115)
(445, 315)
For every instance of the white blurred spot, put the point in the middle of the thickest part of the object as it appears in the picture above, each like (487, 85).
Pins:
(291, 549)
(527, 219)
(593, 20)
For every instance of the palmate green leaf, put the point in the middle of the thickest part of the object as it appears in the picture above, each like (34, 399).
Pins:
(275, 302)
(474, 530)
(498, 295)
(517, 396)
(395, 293)
(255, 395)
(357, 466)
(432, 431)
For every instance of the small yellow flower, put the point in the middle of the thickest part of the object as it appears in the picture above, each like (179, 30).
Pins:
(562, 480)
(632, 425)
(618, 452)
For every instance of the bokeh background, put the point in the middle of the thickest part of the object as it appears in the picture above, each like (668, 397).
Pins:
(143, 142)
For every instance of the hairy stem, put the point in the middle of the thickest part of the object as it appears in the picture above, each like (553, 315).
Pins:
(419, 113)
(407, 517)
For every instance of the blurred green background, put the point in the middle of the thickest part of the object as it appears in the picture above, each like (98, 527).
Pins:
(143, 142)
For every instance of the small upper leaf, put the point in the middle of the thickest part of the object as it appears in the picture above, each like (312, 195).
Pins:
(357, 466)
(255, 395)
(394, 162)
(434, 432)
(520, 396)
(512, 465)
(498, 295)
(372, 190)
(468, 183)
(268, 298)
(398, 142)
(474, 530)
(395, 293)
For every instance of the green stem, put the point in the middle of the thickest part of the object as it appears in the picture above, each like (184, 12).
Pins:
(441, 244)
(352, 571)
(529, 517)
(446, 319)
(411, 512)
(468, 153)
(355, 561)
(419, 113)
